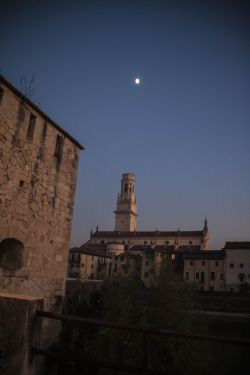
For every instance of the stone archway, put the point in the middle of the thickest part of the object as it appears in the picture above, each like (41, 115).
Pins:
(11, 254)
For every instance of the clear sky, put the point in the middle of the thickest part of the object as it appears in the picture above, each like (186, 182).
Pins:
(184, 131)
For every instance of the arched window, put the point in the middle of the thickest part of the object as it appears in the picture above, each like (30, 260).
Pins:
(125, 188)
(11, 254)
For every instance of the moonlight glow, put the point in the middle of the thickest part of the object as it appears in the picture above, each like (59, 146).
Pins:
(137, 81)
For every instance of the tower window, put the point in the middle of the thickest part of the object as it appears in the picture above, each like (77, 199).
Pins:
(31, 127)
(1, 95)
(126, 188)
(58, 148)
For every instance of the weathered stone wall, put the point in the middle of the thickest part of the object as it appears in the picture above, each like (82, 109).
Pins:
(18, 333)
(37, 186)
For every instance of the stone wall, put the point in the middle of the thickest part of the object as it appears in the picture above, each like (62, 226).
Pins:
(38, 171)
(18, 333)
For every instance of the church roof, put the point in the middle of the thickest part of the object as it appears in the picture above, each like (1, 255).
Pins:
(144, 234)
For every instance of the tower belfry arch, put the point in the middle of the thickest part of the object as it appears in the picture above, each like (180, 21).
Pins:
(126, 209)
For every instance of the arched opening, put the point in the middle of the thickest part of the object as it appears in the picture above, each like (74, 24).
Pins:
(11, 254)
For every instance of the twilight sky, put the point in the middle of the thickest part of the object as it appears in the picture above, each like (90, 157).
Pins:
(184, 131)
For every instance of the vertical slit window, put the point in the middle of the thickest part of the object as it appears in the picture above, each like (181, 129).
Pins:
(31, 127)
(1, 95)
(59, 146)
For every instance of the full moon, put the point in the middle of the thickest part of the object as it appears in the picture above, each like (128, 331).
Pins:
(137, 81)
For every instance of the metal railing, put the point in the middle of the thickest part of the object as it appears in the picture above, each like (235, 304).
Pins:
(146, 332)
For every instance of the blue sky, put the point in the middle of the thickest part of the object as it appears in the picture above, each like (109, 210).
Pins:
(184, 131)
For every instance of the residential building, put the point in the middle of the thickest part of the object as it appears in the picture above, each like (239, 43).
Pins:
(237, 256)
(205, 270)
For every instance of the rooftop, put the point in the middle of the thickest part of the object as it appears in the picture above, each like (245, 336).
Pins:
(237, 245)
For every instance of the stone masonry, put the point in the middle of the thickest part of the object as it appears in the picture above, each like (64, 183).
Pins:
(38, 171)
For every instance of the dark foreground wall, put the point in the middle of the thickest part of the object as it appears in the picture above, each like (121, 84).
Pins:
(18, 334)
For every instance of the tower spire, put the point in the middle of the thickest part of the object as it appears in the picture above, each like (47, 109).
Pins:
(126, 209)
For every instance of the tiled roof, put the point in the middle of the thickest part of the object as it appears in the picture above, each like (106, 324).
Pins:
(142, 234)
(205, 254)
(141, 248)
(95, 250)
(237, 245)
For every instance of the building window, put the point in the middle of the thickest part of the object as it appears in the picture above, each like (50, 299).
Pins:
(11, 254)
(190, 242)
(197, 276)
(203, 262)
(102, 242)
(202, 276)
(145, 242)
(201, 288)
(92, 257)
(92, 276)
(58, 147)
(167, 242)
(191, 263)
(146, 275)
(123, 242)
(187, 275)
(92, 266)
(31, 127)
(147, 263)
(216, 263)
(82, 265)
(231, 265)
(241, 265)
(211, 288)
(1, 95)
(212, 275)
(221, 276)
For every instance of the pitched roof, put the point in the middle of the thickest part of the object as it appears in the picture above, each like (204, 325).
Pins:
(38, 110)
(144, 234)
(237, 245)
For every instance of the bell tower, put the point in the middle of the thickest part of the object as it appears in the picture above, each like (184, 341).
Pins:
(126, 209)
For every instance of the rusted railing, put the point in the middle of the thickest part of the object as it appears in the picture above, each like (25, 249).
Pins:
(146, 332)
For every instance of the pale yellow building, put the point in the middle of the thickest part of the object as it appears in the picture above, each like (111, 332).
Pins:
(237, 256)
(206, 270)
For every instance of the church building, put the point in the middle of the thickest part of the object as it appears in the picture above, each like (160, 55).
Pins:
(125, 241)
(125, 226)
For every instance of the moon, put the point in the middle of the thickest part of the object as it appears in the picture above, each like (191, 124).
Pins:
(137, 81)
